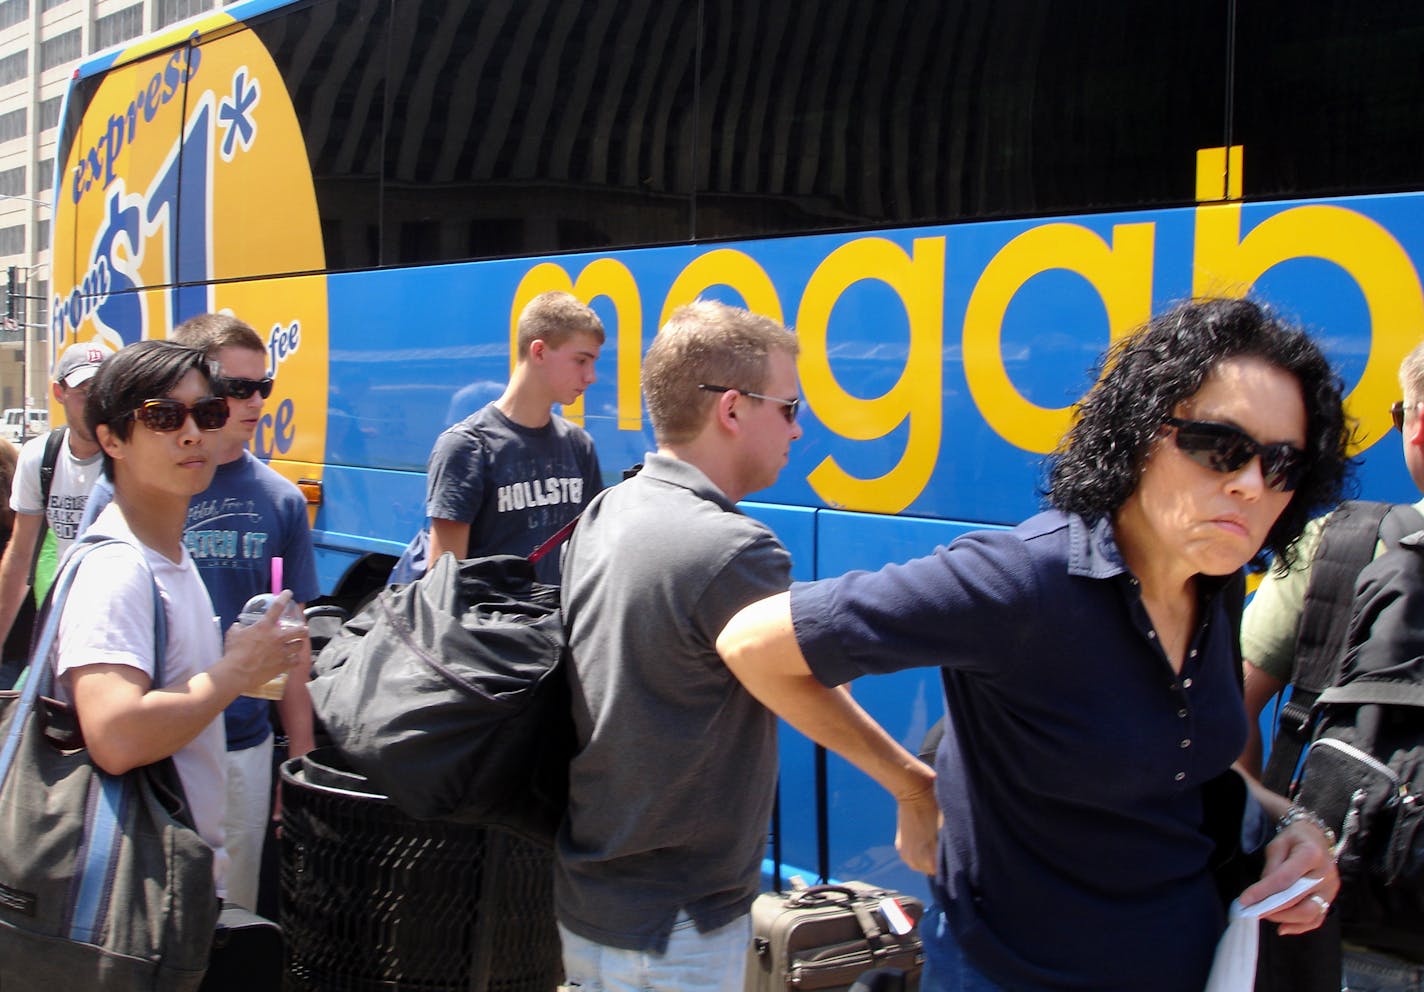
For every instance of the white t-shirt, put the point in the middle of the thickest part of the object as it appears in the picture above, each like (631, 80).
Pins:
(108, 619)
(68, 493)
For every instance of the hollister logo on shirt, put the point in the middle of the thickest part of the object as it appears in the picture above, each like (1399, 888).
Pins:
(538, 492)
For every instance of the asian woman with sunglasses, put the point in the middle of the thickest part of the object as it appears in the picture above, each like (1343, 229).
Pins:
(155, 415)
(1094, 707)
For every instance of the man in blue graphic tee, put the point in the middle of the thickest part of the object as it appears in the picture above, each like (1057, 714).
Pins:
(247, 517)
(507, 477)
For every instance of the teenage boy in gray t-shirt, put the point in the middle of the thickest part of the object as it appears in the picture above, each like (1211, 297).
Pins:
(510, 475)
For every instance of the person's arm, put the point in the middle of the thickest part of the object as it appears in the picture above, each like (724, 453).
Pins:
(1261, 687)
(1300, 849)
(15, 568)
(759, 647)
(127, 723)
(448, 535)
(1269, 628)
(454, 489)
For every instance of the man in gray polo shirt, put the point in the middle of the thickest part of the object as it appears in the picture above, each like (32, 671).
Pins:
(659, 857)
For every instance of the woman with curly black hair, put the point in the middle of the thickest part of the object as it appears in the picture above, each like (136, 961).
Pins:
(1093, 710)
(1147, 375)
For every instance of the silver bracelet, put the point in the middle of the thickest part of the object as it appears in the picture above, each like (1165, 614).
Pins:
(1301, 813)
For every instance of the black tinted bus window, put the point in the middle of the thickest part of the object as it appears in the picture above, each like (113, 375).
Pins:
(520, 128)
(849, 114)
(332, 56)
(1327, 93)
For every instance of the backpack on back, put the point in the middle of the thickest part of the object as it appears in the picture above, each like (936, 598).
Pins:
(1364, 769)
(1347, 545)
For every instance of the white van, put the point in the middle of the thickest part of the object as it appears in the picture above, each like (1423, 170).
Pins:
(19, 425)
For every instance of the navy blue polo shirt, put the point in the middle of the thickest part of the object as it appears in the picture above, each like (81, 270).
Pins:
(1072, 768)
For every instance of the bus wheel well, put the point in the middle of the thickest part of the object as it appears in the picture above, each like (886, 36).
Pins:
(361, 582)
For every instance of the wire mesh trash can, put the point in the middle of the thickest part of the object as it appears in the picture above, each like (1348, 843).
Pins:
(375, 900)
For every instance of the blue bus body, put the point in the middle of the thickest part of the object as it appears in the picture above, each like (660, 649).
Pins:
(939, 361)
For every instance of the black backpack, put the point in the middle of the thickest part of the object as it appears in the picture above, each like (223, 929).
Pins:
(1347, 545)
(449, 694)
(1364, 769)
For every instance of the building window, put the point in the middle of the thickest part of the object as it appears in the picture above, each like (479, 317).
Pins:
(12, 125)
(51, 4)
(119, 26)
(48, 116)
(12, 182)
(12, 240)
(175, 10)
(14, 68)
(60, 49)
(44, 175)
(12, 12)
(41, 235)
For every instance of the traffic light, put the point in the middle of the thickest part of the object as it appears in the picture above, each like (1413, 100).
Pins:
(12, 293)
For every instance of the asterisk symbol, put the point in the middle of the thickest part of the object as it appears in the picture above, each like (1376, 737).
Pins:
(234, 113)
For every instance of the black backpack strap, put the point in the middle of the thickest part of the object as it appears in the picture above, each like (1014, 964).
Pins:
(53, 442)
(1365, 691)
(1400, 522)
(54, 439)
(1347, 545)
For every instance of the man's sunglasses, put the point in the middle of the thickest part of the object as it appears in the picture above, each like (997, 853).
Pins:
(1223, 448)
(789, 408)
(241, 389)
(1396, 413)
(164, 416)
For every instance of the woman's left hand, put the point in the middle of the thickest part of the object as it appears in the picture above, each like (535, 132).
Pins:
(1299, 849)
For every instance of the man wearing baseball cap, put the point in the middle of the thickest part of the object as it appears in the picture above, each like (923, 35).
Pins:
(50, 524)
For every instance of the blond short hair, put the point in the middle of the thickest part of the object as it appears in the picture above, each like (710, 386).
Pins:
(1411, 375)
(211, 332)
(712, 343)
(554, 318)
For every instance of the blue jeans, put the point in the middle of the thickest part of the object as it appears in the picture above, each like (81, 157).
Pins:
(946, 969)
(693, 962)
(1371, 971)
(10, 673)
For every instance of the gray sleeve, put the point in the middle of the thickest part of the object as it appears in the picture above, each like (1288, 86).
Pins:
(760, 569)
(454, 480)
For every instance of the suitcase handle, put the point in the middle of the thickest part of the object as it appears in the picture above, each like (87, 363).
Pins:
(819, 894)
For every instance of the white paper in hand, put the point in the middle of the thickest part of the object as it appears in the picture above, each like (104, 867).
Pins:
(1234, 967)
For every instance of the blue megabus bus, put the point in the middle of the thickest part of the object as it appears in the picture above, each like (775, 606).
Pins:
(958, 205)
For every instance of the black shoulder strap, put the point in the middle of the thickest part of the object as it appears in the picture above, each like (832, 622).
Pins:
(1400, 522)
(51, 456)
(1347, 545)
(53, 442)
